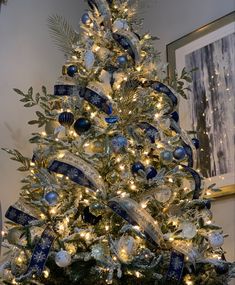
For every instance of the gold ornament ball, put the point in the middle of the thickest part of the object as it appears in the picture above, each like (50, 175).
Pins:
(51, 126)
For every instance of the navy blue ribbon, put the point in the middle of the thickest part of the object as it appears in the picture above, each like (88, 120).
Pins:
(124, 215)
(197, 179)
(74, 174)
(98, 101)
(150, 131)
(19, 217)
(124, 42)
(189, 153)
(65, 90)
(41, 252)
(175, 270)
(160, 87)
(42, 248)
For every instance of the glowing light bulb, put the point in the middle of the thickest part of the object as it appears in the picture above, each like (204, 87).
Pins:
(46, 273)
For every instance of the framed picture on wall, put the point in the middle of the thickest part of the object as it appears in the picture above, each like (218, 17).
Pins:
(209, 110)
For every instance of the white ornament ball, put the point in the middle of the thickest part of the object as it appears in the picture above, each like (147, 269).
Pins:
(63, 258)
(189, 230)
(216, 239)
(120, 24)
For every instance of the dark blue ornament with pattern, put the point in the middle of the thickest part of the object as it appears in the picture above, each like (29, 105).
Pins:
(66, 119)
(82, 125)
(151, 172)
(51, 198)
(72, 70)
(179, 153)
(136, 167)
(196, 143)
(86, 20)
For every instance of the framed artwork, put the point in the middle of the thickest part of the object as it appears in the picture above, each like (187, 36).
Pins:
(209, 110)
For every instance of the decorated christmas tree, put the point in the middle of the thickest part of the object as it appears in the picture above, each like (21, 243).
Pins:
(110, 195)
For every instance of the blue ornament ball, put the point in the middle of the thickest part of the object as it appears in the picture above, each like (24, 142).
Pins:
(166, 156)
(86, 20)
(175, 117)
(196, 143)
(136, 167)
(51, 198)
(179, 153)
(82, 125)
(119, 143)
(66, 119)
(72, 70)
(151, 172)
(122, 60)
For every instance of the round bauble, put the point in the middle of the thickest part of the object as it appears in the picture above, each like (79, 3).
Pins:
(196, 143)
(175, 116)
(179, 153)
(126, 248)
(166, 156)
(151, 172)
(122, 60)
(120, 24)
(118, 143)
(162, 194)
(82, 125)
(63, 258)
(50, 127)
(72, 70)
(14, 236)
(66, 119)
(189, 230)
(222, 268)
(216, 239)
(86, 20)
(136, 167)
(51, 198)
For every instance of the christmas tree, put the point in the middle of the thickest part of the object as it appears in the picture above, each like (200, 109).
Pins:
(110, 195)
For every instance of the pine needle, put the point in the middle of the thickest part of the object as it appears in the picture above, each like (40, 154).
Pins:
(62, 33)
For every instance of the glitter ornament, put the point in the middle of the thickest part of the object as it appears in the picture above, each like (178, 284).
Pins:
(216, 239)
(179, 153)
(63, 258)
(189, 230)
(82, 125)
(120, 24)
(166, 156)
(51, 198)
(66, 119)
(118, 143)
(89, 59)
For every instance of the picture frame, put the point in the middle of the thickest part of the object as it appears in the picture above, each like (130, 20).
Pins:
(210, 52)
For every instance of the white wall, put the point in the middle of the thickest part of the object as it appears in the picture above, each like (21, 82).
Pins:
(28, 57)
